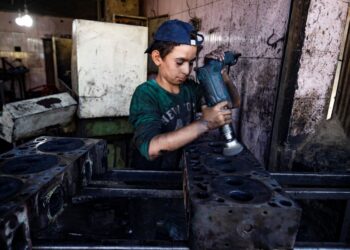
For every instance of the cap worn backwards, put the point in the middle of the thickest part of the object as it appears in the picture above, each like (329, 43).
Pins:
(178, 32)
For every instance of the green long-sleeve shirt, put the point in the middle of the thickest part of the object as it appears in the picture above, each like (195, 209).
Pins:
(154, 111)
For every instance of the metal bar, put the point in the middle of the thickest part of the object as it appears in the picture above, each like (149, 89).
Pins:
(345, 230)
(321, 246)
(318, 193)
(134, 185)
(91, 193)
(142, 175)
(313, 179)
(132, 17)
(96, 247)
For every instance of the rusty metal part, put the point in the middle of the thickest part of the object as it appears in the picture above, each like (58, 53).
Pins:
(318, 193)
(233, 203)
(91, 193)
(14, 229)
(313, 179)
(99, 247)
(38, 178)
(142, 175)
(321, 246)
(320, 186)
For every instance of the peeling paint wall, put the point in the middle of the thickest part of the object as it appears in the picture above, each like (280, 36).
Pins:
(323, 34)
(244, 26)
(30, 41)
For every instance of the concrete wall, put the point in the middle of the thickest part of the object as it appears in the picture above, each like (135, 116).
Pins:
(244, 26)
(323, 36)
(30, 41)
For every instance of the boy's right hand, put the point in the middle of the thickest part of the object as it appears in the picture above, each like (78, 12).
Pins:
(217, 115)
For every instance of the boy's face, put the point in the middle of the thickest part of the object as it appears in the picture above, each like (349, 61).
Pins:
(175, 67)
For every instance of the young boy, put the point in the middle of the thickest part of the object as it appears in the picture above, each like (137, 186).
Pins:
(163, 110)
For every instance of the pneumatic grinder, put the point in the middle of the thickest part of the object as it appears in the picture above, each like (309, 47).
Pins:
(215, 91)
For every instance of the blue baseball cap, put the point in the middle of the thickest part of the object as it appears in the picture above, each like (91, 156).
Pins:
(177, 31)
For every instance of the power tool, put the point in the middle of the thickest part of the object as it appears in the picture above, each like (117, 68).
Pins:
(215, 91)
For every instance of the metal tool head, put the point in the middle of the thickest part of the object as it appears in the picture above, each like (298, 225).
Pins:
(232, 148)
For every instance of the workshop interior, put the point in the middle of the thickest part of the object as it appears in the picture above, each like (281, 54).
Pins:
(278, 177)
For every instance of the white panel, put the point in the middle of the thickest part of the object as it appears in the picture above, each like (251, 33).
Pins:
(108, 63)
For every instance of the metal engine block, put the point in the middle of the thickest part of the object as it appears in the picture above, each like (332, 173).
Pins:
(38, 178)
(233, 203)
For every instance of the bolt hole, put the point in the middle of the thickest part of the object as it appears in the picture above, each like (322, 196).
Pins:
(248, 228)
(40, 139)
(222, 160)
(278, 190)
(264, 212)
(202, 195)
(230, 211)
(56, 202)
(221, 200)
(272, 204)
(202, 187)
(285, 203)
(241, 196)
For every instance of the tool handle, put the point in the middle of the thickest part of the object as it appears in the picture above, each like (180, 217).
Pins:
(212, 83)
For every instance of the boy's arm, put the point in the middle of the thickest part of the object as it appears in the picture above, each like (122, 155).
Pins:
(232, 90)
(212, 118)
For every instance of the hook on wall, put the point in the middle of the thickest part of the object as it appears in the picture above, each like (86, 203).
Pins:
(274, 44)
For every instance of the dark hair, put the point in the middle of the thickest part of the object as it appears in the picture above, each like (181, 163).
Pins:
(163, 47)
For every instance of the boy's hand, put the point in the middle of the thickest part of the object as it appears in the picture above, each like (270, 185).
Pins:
(218, 54)
(217, 115)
